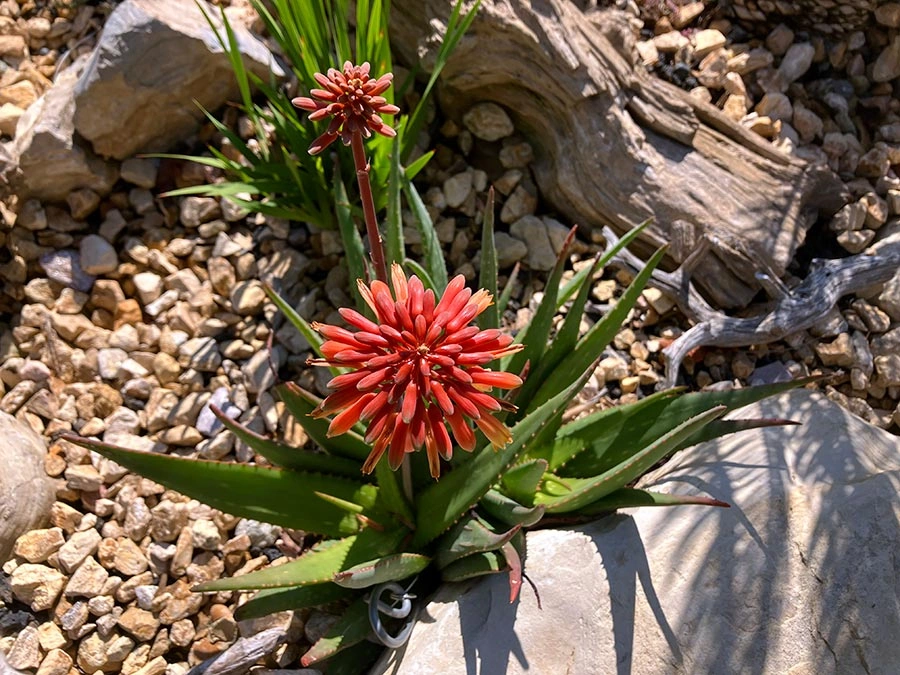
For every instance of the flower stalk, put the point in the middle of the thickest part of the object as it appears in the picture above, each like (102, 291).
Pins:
(368, 205)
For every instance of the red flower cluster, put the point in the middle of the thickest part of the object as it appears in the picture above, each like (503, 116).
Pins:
(420, 366)
(352, 99)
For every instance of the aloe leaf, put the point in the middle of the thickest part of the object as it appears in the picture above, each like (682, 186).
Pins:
(510, 552)
(312, 337)
(503, 303)
(625, 498)
(487, 278)
(301, 403)
(355, 253)
(469, 537)
(417, 165)
(267, 494)
(316, 566)
(389, 568)
(509, 511)
(355, 659)
(431, 245)
(610, 437)
(586, 490)
(536, 334)
(440, 505)
(273, 600)
(521, 481)
(422, 273)
(719, 428)
(598, 337)
(478, 565)
(393, 240)
(620, 425)
(289, 457)
(353, 627)
(390, 494)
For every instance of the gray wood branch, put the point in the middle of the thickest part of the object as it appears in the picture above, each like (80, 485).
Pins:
(615, 145)
(794, 309)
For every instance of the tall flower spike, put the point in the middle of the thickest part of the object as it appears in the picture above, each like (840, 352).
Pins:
(353, 101)
(419, 367)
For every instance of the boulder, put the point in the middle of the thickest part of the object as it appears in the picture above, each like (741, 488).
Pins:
(799, 576)
(26, 492)
(46, 160)
(154, 62)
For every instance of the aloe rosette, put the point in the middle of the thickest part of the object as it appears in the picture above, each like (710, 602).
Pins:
(472, 520)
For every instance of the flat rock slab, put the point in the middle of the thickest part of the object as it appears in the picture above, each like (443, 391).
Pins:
(26, 492)
(799, 576)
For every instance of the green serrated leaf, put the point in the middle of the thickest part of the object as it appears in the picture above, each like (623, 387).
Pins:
(508, 511)
(353, 627)
(317, 566)
(598, 337)
(478, 565)
(280, 599)
(625, 498)
(277, 496)
(440, 505)
(468, 537)
(535, 335)
(354, 251)
(389, 568)
(306, 330)
(301, 403)
(521, 481)
(431, 245)
(586, 490)
(390, 494)
(487, 278)
(355, 659)
(289, 457)
(395, 248)
(611, 436)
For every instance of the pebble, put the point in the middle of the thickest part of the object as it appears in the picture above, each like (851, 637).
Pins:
(140, 172)
(129, 559)
(77, 549)
(488, 121)
(139, 623)
(36, 585)
(200, 354)
(510, 250)
(26, 652)
(248, 298)
(38, 545)
(87, 581)
(56, 662)
(457, 189)
(887, 65)
(205, 535)
(64, 267)
(194, 211)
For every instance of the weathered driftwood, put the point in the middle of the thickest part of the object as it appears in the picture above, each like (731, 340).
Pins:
(794, 309)
(616, 145)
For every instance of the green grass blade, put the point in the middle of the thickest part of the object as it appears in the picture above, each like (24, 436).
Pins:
(626, 498)
(417, 165)
(487, 278)
(277, 496)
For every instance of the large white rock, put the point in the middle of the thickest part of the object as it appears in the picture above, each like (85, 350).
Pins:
(26, 492)
(801, 575)
(155, 60)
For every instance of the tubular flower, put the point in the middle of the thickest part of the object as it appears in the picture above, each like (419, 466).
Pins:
(416, 371)
(352, 100)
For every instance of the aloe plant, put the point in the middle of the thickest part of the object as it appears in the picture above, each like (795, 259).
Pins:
(468, 523)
